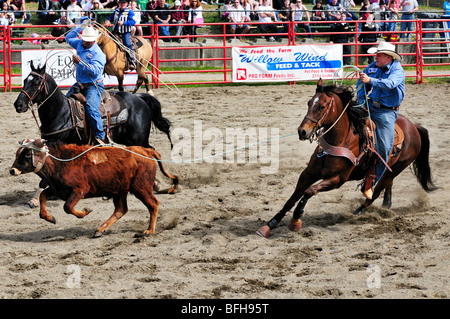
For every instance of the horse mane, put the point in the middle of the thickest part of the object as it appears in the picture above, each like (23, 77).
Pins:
(357, 115)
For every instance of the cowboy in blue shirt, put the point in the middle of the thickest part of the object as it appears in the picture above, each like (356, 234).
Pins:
(123, 22)
(90, 61)
(386, 78)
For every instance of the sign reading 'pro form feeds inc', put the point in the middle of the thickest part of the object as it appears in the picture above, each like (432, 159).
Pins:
(286, 63)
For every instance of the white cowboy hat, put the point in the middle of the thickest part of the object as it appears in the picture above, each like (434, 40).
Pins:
(89, 34)
(386, 48)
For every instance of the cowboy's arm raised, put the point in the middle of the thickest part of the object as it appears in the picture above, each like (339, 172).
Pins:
(72, 36)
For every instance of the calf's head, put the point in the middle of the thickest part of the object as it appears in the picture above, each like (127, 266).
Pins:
(30, 157)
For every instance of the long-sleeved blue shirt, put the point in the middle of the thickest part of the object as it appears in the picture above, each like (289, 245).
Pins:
(93, 56)
(387, 84)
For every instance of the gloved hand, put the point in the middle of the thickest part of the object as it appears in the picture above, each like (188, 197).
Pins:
(85, 23)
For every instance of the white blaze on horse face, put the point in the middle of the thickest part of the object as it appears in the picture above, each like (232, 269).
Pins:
(315, 101)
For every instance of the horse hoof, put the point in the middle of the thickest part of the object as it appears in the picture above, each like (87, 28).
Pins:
(97, 234)
(295, 224)
(264, 231)
(359, 210)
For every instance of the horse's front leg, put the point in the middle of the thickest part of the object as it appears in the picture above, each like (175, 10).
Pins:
(305, 180)
(325, 185)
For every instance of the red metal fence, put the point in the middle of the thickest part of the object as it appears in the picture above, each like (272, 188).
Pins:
(427, 55)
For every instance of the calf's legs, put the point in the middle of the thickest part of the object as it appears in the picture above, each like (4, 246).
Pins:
(120, 209)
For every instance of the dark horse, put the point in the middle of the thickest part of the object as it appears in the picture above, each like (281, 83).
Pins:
(328, 112)
(56, 116)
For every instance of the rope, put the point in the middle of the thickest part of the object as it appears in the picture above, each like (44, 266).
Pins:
(102, 30)
(153, 159)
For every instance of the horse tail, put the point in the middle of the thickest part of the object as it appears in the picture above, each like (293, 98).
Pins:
(421, 166)
(174, 178)
(156, 117)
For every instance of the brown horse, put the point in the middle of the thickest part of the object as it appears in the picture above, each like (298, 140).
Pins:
(116, 58)
(328, 112)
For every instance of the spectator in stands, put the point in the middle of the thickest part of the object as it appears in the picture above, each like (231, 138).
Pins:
(381, 15)
(195, 17)
(318, 13)
(137, 29)
(74, 11)
(363, 13)
(18, 6)
(237, 16)
(366, 37)
(46, 15)
(149, 11)
(141, 4)
(284, 14)
(246, 5)
(3, 18)
(346, 4)
(393, 6)
(334, 10)
(96, 5)
(408, 8)
(297, 15)
(266, 14)
(227, 5)
(110, 4)
(162, 18)
(179, 14)
(61, 30)
(341, 34)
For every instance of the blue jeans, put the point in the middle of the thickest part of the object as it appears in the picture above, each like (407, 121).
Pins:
(126, 38)
(391, 26)
(406, 25)
(384, 133)
(164, 29)
(93, 95)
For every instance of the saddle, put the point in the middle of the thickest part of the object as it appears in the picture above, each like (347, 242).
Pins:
(112, 110)
(399, 137)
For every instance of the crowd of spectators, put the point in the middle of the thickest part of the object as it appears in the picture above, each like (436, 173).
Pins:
(188, 15)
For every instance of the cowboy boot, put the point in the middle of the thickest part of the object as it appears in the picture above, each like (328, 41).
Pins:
(366, 188)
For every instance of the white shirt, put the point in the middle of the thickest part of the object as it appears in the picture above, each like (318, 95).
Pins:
(236, 13)
(264, 9)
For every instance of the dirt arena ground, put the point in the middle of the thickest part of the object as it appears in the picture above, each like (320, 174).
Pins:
(205, 244)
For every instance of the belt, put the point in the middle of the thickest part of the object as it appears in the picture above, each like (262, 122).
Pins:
(83, 85)
(381, 106)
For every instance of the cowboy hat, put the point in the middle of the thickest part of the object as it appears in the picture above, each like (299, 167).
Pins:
(89, 34)
(386, 48)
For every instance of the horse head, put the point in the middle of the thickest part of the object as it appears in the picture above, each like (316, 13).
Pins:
(34, 88)
(319, 107)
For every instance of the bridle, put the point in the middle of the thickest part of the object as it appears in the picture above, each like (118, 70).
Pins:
(42, 87)
(319, 122)
(318, 126)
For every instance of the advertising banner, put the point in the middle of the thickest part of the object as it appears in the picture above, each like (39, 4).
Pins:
(59, 65)
(286, 63)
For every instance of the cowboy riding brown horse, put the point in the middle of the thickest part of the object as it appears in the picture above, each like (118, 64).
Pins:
(116, 57)
(344, 154)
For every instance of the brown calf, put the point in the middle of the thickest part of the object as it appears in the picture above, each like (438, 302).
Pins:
(100, 171)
